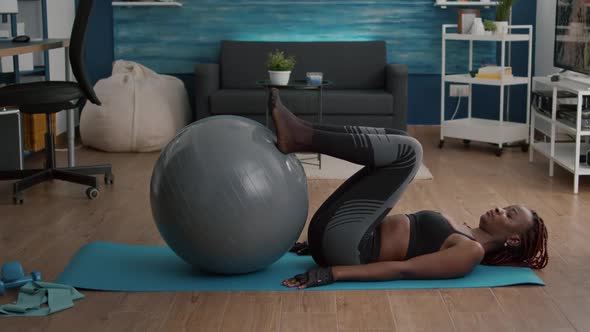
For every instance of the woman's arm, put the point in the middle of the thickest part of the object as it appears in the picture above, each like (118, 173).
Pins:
(452, 262)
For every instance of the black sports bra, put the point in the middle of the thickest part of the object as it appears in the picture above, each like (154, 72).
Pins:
(428, 231)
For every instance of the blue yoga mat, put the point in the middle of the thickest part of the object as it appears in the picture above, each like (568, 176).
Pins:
(119, 267)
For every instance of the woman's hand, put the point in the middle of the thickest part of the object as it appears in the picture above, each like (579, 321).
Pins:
(319, 276)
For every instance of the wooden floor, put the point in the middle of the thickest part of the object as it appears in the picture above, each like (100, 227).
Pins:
(56, 220)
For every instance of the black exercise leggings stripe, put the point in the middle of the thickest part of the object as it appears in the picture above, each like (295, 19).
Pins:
(341, 228)
(358, 129)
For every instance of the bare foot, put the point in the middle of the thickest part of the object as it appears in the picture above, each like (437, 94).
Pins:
(292, 133)
(305, 123)
(275, 99)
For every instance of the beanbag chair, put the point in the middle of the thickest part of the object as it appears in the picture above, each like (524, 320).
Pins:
(141, 110)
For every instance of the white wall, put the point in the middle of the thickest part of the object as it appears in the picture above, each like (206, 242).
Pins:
(30, 15)
(60, 18)
(545, 37)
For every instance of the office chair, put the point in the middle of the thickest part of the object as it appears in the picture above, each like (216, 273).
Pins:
(51, 97)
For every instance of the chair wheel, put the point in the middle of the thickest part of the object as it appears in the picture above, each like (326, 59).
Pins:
(92, 193)
(17, 200)
(499, 152)
(441, 143)
(466, 142)
(524, 147)
(109, 179)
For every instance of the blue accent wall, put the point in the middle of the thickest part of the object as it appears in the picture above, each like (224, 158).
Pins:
(173, 40)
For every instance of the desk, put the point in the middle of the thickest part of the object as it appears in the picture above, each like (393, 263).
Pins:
(8, 48)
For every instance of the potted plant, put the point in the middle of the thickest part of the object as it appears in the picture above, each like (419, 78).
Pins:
(489, 26)
(503, 15)
(279, 67)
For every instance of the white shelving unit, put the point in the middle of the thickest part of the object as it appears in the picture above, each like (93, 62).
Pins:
(147, 4)
(498, 132)
(566, 155)
(445, 4)
(467, 79)
(493, 37)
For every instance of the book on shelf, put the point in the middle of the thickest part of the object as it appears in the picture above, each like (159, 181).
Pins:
(493, 72)
(493, 76)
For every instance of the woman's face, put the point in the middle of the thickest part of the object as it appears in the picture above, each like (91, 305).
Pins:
(504, 222)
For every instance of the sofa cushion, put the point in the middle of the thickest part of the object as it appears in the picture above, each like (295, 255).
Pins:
(239, 102)
(374, 102)
(350, 65)
(346, 102)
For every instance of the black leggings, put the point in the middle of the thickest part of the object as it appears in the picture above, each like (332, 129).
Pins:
(344, 230)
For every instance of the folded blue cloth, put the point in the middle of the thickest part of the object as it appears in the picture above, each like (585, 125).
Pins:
(41, 299)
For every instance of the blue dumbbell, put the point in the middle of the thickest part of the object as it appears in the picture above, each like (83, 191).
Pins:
(13, 276)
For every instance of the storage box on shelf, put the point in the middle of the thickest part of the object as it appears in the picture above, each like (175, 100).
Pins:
(565, 154)
(8, 7)
(498, 132)
(35, 127)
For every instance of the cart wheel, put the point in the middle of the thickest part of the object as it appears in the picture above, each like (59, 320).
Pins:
(18, 200)
(466, 142)
(524, 147)
(441, 143)
(499, 151)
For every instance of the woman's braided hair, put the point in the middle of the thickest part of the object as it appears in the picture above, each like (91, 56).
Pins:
(532, 252)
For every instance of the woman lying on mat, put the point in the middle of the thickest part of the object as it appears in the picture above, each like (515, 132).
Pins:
(351, 236)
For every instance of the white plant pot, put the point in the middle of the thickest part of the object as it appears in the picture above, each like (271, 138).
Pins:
(279, 77)
(477, 28)
(501, 27)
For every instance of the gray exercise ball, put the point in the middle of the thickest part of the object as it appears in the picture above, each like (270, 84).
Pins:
(225, 199)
